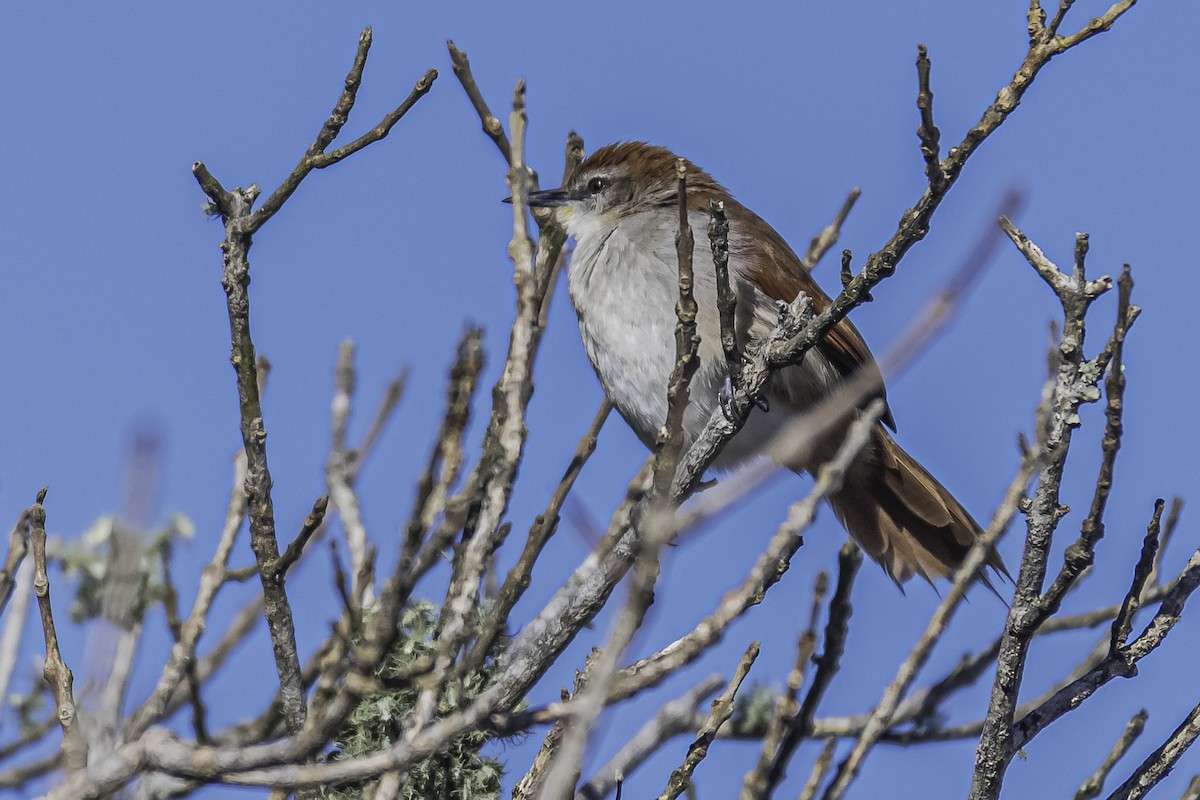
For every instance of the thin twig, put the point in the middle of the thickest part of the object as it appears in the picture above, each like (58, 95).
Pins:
(316, 157)
(571, 161)
(718, 237)
(927, 131)
(786, 707)
(1120, 663)
(175, 626)
(58, 675)
(820, 769)
(340, 470)
(672, 719)
(1123, 622)
(1094, 784)
(837, 628)
(722, 710)
(687, 344)
(491, 123)
(1160, 763)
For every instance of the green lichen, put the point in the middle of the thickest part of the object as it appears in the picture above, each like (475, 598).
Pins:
(459, 771)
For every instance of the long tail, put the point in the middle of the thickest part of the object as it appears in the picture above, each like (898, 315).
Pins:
(903, 518)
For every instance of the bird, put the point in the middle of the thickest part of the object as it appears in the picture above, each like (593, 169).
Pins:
(621, 209)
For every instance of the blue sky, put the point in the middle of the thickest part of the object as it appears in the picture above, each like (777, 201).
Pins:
(114, 316)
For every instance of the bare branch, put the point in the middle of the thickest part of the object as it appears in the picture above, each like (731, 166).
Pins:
(820, 769)
(571, 161)
(14, 627)
(341, 470)
(443, 469)
(505, 438)
(311, 523)
(175, 626)
(1123, 623)
(1074, 384)
(1119, 663)
(211, 579)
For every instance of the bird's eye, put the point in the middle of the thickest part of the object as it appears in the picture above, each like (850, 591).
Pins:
(597, 185)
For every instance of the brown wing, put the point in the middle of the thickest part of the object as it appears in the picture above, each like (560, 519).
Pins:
(779, 273)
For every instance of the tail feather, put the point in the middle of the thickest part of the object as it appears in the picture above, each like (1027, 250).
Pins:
(903, 518)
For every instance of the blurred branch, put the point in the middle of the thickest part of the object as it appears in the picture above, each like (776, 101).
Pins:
(387, 407)
(18, 546)
(340, 471)
(14, 627)
(830, 234)
(212, 578)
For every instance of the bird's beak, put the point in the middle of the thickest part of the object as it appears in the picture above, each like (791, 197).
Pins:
(551, 198)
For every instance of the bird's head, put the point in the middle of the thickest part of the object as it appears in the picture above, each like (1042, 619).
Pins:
(624, 179)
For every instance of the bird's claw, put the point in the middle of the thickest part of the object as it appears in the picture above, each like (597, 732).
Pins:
(725, 398)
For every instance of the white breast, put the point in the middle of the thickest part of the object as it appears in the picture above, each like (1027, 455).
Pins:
(625, 296)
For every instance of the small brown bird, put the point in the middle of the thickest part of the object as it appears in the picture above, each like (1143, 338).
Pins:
(622, 210)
